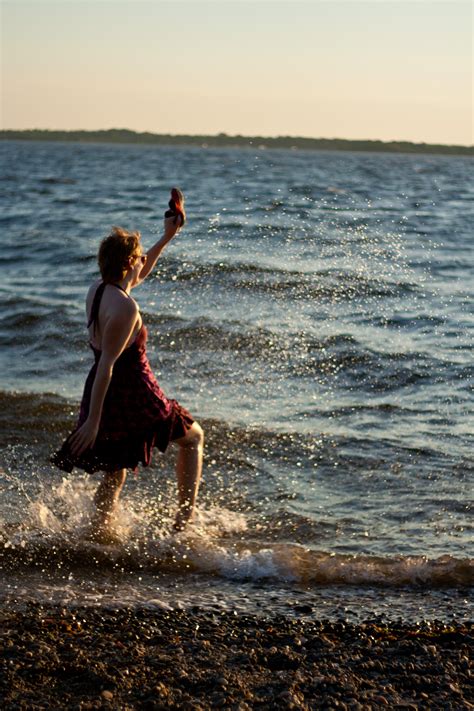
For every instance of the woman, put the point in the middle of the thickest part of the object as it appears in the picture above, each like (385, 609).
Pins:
(124, 413)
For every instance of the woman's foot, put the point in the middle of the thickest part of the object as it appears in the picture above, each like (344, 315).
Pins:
(105, 535)
(102, 529)
(184, 516)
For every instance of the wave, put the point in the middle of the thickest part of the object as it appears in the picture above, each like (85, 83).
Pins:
(298, 354)
(341, 288)
(32, 331)
(196, 552)
(327, 284)
(27, 417)
(239, 338)
(37, 332)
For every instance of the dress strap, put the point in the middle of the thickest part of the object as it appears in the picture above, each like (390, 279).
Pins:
(97, 299)
(96, 304)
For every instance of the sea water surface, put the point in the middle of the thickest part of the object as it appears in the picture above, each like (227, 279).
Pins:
(315, 316)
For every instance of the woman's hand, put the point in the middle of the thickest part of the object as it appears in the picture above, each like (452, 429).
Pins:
(84, 438)
(170, 228)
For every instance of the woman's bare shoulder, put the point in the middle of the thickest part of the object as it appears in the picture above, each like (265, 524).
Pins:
(114, 303)
(118, 304)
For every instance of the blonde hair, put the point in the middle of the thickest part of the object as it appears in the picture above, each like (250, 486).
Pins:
(115, 252)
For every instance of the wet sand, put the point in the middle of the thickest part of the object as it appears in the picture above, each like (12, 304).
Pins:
(195, 659)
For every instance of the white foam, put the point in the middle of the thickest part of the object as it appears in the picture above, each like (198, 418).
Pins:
(247, 565)
(220, 520)
(59, 517)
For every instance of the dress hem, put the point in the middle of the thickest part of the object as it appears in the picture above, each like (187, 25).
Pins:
(112, 453)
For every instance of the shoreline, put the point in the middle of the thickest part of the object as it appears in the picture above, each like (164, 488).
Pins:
(223, 140)
(86, 658)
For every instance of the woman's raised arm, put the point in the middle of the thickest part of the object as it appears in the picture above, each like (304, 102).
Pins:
(170, 230)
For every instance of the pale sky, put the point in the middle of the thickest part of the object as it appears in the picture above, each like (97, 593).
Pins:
(321, 68)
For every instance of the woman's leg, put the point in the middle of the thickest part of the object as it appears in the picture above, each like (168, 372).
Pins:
(106, 498)
(188, 473)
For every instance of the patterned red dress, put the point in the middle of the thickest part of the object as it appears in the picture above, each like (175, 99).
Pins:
(136, 415)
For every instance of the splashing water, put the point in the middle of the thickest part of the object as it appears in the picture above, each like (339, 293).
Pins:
(313, 315)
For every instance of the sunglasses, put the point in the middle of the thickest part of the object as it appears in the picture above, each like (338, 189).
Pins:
(142, 258)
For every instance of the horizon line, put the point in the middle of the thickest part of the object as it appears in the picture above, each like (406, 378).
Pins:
(224, 134)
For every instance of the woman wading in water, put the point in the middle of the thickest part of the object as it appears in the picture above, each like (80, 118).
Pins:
(124, 413)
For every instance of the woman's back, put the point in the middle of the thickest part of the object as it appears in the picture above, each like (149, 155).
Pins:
(106, 303)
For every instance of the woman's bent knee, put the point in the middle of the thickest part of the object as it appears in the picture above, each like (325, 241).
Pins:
(194, 437)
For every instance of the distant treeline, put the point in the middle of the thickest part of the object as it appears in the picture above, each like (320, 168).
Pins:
(223, 139)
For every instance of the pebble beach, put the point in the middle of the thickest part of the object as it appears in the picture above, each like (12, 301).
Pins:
(174, 659)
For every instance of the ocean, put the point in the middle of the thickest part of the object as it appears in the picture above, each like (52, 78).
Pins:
(314, 315)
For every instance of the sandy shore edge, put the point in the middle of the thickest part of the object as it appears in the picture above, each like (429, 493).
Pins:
(140, 659)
